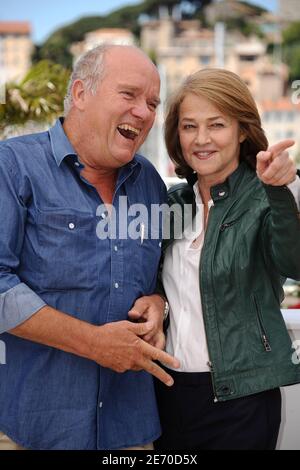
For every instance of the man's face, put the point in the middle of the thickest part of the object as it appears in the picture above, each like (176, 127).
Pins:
(120, 115)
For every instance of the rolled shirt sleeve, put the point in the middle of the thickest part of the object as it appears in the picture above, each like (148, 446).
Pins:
(18, 305)
(17, 301)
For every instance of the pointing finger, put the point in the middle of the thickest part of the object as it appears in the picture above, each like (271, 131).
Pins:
(276, 149)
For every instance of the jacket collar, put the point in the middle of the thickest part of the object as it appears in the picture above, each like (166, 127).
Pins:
(229, 186)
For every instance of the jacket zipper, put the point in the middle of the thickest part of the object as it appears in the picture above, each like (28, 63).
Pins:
(229, 224)
(264, 337)
(209, 363)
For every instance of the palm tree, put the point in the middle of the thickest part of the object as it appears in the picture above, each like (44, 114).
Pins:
(38, 98)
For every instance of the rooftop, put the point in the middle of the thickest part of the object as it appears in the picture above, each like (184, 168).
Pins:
(15, 27)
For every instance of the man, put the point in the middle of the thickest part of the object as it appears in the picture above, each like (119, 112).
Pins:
(66, 292)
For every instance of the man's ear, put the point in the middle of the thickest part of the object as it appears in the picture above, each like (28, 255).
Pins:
(78, 94)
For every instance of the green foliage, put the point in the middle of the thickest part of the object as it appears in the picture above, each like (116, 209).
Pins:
(57, 46)
(256, 10)
(244, 26)
(39, 97)
(291, 49)
(291, 35)
(291, 56)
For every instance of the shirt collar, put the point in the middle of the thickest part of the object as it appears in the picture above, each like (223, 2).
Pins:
(62, 148)
(198, 198)
(60, 144)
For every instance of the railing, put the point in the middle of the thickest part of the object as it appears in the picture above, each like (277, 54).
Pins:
(289, 437)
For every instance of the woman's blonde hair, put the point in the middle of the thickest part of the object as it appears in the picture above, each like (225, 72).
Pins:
(231, 96)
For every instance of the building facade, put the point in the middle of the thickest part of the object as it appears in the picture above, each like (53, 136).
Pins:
(289, 10)
(117, 36)
(183, 47)
(281, 120)
(16, 48)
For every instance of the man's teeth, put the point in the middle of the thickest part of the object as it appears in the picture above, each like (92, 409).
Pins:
(126, 127)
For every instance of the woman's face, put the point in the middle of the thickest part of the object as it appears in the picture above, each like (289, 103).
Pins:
(210, 140)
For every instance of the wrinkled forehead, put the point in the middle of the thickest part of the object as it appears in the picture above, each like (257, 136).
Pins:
(132, 70)
(129, 60)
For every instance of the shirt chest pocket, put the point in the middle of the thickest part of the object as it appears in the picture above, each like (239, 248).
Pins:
(66, 249)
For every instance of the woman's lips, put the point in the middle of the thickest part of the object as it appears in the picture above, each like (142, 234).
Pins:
(204, 155)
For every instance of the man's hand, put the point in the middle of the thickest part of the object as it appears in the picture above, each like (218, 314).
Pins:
(274, 166)
(150, 308)
(119, 346)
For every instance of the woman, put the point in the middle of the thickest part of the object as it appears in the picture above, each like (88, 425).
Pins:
(223, 277)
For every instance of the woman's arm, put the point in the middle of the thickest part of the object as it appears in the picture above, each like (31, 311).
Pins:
(281, 234)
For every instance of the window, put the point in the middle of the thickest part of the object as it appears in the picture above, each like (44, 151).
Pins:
(248, 58)
(205, 59)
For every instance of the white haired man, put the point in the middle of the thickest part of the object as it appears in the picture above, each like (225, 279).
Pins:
(66, 293)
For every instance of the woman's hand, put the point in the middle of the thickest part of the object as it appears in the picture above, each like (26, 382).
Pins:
(150, 309)
(274, 166)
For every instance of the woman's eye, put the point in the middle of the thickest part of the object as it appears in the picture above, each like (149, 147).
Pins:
(188, 126)
(217, 125)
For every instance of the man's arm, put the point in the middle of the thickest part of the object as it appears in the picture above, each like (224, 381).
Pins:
(17, 301)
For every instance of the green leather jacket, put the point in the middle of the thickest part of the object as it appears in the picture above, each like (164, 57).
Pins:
(252, 243)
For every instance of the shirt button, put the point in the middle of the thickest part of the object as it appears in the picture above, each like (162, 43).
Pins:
(71, 226)
(160, 244)
(100, 404)
(116, 248)
(116, 285)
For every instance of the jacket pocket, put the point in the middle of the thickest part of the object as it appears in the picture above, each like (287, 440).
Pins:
(230, 223)
(260, 324)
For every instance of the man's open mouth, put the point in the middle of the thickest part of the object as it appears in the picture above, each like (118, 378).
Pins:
(128, 132)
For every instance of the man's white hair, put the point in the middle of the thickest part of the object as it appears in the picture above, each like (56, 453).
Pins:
(90, 69)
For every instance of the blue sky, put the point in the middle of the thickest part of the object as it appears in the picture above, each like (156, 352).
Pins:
(45, 17)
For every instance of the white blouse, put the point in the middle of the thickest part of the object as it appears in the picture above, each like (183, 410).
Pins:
(186, 338)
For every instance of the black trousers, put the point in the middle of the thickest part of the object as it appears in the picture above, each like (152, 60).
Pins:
(191, 420)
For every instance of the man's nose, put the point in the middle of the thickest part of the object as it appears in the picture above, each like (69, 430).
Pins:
(141, 111)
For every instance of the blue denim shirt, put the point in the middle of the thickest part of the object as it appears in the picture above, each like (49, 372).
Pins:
(50, 255)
